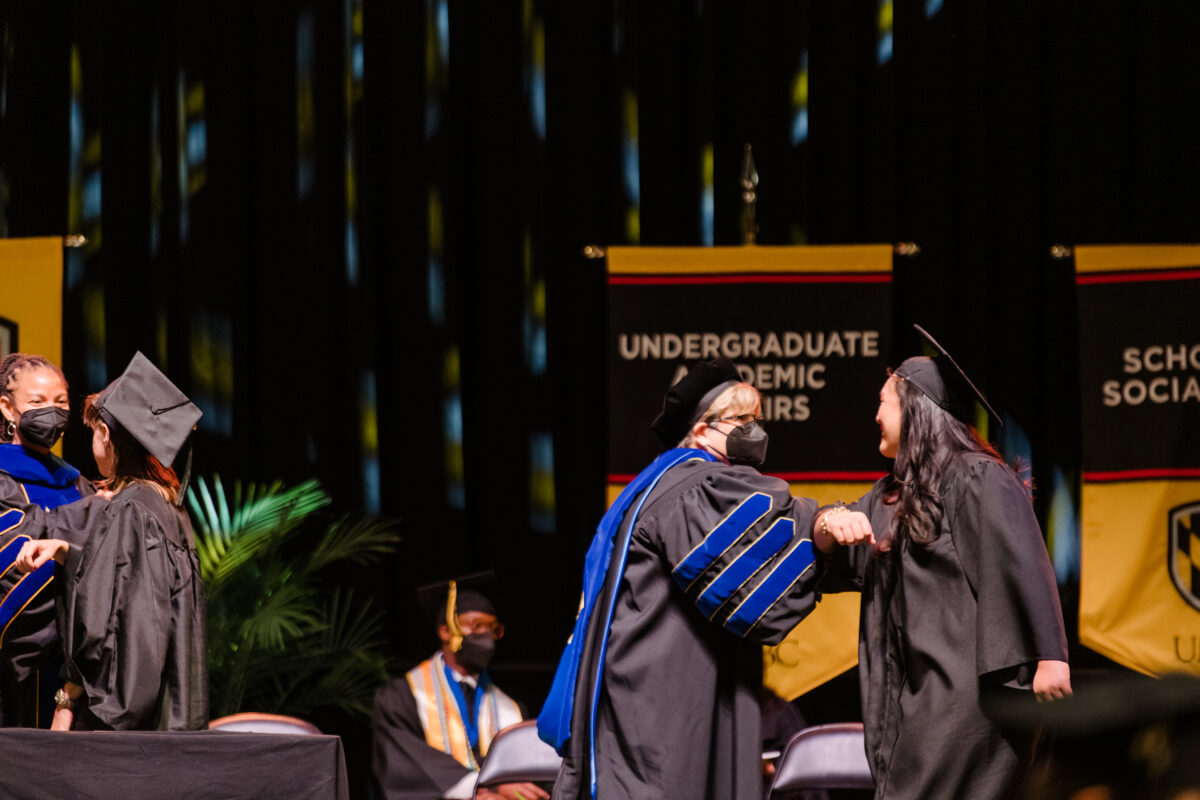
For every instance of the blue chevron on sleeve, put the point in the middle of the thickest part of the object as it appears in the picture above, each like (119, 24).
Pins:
(9, 520)
(727, 531)
(773, 587)
(11, 548)
(29, 585)
(742, 568)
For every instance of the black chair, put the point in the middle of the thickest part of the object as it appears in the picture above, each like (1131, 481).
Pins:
(517, 755)
(823, 757)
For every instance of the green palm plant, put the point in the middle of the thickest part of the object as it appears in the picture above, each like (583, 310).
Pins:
(278, 639)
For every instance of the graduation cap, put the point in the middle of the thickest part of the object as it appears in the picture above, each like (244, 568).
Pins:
(691, 396)
(943, 381)
(442, 601)
(150, 408)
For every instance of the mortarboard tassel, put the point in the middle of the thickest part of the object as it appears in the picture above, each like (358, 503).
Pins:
(456, 631)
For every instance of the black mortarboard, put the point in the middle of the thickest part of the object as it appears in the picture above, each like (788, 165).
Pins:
(150, 408)
(943, 381)
(467, 592)
(473, 592)
(691, 396)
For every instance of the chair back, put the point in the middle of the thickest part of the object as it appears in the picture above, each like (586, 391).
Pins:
(517, 755)
(255, 722)
(823, 757)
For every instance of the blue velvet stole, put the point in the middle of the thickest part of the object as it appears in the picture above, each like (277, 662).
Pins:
(470, 721)
(48, 480)
(554, 721)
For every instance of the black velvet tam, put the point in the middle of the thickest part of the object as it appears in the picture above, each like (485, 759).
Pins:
(683, 404)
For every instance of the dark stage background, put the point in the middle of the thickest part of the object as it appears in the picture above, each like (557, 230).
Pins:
(354, 230)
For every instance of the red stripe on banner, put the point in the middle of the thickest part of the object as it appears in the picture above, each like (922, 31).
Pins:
(1138, 277)
(672, 280)
(802, 477)
(791, 477)
(1140, 474)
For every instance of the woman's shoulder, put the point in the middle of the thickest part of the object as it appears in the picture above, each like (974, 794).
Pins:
(732, 481)
(140, 496)
(149, 503)
(973, 463)
(14, 461)
(981, 472)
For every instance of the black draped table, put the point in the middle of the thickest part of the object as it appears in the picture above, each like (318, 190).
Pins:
(205, 765)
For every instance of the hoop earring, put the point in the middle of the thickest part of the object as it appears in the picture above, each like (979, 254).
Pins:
(11, 430)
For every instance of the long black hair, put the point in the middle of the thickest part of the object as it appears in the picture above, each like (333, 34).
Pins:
(930, 439)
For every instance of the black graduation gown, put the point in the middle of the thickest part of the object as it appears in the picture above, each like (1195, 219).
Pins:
(404, 765)
(30, 643)
(972, 611)
(679, 711)
(131, 615)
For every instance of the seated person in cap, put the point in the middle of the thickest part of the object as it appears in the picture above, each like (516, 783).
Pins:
(432, 727)
(130, 604)
(958, 595)
(700, 562)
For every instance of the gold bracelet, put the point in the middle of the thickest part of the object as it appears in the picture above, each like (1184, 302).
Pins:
(62, 700)
(825, 517)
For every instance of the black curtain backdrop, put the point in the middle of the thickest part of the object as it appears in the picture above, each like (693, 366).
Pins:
(994, 131)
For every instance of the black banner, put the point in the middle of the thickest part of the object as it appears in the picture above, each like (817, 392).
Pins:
(1140, 372)
(815, 343)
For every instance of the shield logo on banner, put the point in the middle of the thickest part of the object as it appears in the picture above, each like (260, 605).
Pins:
(1183, 551)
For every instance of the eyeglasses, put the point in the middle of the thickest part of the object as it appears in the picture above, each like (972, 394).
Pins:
(496, 629)
(740, 419)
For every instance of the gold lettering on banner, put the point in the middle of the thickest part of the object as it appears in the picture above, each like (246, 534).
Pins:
(1191, 655)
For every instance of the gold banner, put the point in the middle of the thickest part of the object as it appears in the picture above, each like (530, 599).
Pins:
(1123, 257)
(1138, 597)
(1139, 600)
(759, 259)
(31, 273)
(825, 644)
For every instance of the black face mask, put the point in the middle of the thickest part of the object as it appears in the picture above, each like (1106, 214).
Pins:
(42, 426)
(746, 444)
(476, 652)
